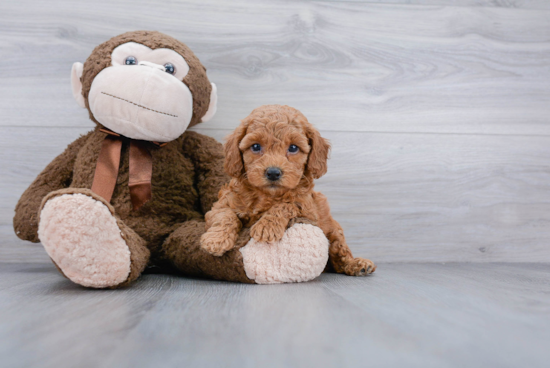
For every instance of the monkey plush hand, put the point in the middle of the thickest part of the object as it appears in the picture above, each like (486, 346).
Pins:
(133, 192)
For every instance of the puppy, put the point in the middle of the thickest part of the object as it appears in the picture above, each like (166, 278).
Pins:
(273, 158)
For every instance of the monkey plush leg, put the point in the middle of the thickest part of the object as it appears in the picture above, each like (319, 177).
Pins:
(182, 250)
(87, 242)
(301, 255)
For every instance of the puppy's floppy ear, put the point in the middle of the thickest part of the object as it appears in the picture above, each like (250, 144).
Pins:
(233, 164)
(318, 155)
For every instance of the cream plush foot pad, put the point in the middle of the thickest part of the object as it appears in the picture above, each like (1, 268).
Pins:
(82, 237)
(301, 255)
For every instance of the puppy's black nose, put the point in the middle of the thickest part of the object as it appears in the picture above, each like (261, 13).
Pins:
(273, 173)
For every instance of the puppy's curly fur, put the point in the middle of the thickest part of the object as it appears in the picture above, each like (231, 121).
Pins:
(278, 138)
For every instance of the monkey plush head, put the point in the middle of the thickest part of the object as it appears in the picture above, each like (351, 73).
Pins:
(144, 85)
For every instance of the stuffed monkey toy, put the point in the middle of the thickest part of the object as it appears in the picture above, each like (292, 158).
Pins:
(133, 192)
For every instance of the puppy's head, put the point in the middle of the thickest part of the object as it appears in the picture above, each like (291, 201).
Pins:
(275, 148)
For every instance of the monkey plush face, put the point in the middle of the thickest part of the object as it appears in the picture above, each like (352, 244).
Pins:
(144, 85)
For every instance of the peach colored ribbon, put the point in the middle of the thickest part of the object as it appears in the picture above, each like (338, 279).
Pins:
(140, 170)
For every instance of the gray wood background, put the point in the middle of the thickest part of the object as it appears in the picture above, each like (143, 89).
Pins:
(405, 315)
(438, 111)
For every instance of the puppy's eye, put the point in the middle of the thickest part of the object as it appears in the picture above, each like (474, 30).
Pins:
(293, 148)
(256, 147)
(130, 60)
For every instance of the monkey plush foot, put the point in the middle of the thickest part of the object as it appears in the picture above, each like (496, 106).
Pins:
(301, 255)
(83, 238)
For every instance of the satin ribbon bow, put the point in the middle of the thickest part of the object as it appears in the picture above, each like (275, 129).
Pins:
(140, 170)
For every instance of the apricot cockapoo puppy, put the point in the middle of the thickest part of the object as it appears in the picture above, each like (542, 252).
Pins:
(273, 158)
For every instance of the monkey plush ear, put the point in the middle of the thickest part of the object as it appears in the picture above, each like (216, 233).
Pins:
(213, 104)
(76, 84)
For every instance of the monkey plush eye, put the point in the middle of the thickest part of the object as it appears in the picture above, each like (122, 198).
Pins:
(256, 148)
(169, 68)
(293, 148)
(130, 60)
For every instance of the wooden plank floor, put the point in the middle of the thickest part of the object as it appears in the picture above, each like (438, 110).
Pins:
(405, 315)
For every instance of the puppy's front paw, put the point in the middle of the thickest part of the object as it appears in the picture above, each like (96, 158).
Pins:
(359, 267)
(268, 229)
(216, 243)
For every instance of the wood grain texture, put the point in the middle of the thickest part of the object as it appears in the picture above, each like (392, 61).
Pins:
(520, 4)
(399, 197)
(347, 66)
(413, 315)
(438, 111)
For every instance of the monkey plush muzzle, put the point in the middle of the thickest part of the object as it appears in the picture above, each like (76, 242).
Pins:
(132, 101)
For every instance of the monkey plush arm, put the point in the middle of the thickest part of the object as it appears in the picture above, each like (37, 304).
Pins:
(57, 175)
(207, 156)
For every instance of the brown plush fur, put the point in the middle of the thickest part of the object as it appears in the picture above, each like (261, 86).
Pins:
(196, 262)
(250, 199)
(187, 172)
(196, 80)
